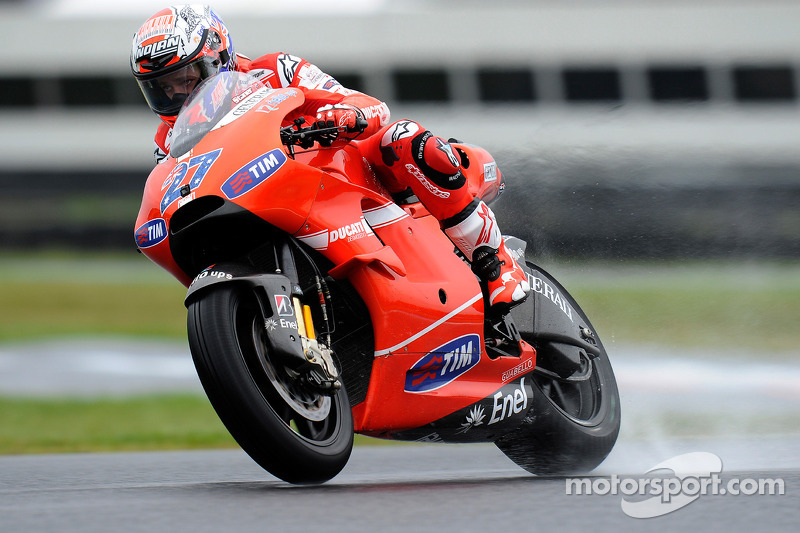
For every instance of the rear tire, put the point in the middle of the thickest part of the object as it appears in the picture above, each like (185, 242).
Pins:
(293, 432)
(573, 423)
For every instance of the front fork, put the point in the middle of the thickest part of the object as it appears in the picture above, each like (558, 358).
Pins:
(288, 323)
(319, 369)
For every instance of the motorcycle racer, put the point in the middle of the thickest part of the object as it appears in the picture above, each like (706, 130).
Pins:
(178, 47)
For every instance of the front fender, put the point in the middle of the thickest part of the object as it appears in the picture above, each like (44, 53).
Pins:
(274, 294)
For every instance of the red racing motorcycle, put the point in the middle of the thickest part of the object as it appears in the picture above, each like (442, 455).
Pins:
(315, 312)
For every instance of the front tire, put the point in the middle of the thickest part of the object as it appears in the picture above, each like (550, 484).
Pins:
(293, 432)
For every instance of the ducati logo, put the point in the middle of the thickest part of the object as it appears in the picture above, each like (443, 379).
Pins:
(284, 305)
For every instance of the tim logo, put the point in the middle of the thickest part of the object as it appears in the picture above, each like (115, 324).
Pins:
(150, 233)
(284, 305)
(444, 364)
(253, 174)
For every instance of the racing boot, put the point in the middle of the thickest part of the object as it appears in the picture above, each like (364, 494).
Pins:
(474, 231)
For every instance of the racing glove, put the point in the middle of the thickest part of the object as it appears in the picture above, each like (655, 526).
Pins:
(341, 115)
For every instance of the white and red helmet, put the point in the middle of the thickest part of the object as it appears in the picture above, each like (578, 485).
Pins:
(174, 39)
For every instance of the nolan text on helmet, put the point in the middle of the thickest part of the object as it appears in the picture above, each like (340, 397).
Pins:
(168, 46)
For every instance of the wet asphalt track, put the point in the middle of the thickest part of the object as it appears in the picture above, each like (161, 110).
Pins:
(400, 488)
(407, 487)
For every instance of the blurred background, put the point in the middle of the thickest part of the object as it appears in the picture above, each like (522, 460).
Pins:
(625, 128)
(650, 151)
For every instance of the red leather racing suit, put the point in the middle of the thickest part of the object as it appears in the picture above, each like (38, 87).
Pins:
(403, 154)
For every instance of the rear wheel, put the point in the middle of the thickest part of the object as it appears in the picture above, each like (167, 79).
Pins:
(292, 431)
(574, 421)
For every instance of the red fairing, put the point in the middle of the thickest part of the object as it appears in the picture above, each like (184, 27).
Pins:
(287, 200)
(423, 300)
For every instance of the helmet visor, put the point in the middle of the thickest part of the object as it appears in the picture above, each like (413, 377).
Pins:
(166, 94)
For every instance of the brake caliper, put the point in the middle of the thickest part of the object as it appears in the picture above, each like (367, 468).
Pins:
(320, 371)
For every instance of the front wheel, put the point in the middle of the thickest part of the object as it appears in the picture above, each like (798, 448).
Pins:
(290, 430)
(575, 419)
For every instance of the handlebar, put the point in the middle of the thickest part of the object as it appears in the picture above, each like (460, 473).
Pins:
(322, 132)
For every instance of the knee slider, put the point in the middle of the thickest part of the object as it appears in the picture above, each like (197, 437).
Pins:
(438, 160)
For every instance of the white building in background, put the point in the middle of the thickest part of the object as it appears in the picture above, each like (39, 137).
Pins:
(693, 78)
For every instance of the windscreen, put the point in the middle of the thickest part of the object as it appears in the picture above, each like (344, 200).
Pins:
(206, 107)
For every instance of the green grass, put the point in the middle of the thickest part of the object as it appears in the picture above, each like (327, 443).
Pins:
(735, 307)
(76, 425)
(741, 308)
(160, 422)
(718, 318)
(34, 310)
(55, 296)
(724, 306)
